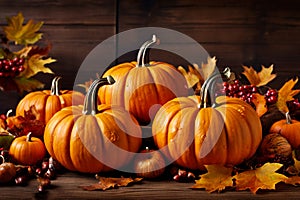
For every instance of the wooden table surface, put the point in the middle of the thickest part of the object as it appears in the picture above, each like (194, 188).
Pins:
(65, 186)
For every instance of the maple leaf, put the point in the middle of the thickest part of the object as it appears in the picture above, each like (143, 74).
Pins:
(264, 177)
(22, 34)
(107, 183)
(191, 76)
(286, 93)
(27, 85)
(259, 78)
(260, 104)
(36, 64)
(217, 178)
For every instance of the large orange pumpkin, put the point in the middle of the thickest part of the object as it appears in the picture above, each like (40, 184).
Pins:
(90, 139)
(141, 88)
(194, 134)
(48, 102)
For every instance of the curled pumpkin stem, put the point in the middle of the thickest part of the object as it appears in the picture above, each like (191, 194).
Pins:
(143, 56)
(54, 86)
(90, 102)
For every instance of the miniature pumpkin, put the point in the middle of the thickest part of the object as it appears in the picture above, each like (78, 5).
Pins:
(92, 139)
(288, 128)
(27, 150)
(224, 131)
(7, 171)
(48, 102)
(142, 87)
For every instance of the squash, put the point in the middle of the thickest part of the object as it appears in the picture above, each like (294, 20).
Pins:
(7, 171)
(142, 87)
(27, 150)
(92, 138)
(48, 102)
(288, 128)
(196, 131)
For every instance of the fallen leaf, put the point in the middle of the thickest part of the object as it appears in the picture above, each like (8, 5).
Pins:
(259, 78)
(293, 180)
(22, 34)
(108, 183)
(260, 104)
(36, 64)
(286, 93)
(217, 178)
(264, 177)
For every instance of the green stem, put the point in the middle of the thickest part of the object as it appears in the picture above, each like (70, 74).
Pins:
(54, 86)
(143, 57)
(90, 102)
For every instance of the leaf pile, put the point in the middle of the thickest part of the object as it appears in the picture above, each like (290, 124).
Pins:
(218, 178)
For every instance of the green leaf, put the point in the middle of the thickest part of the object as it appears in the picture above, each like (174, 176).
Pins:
(15, 31)
(28, 85)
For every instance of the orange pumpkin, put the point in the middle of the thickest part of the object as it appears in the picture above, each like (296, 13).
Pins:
(48, 102)
(27, 150)
(89, 139)
(141, 88)
(288, 128)
(193, 134)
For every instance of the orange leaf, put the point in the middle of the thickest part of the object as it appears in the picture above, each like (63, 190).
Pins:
(293, 180)
(259, 78)
(191, 76)
(264, 177)
(260, 104)
(217, 178)
(107, 183)
(286, 93)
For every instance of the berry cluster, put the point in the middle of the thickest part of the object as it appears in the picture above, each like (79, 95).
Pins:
(236, 89)
(11, 67)
(293, 105)
(271, 96)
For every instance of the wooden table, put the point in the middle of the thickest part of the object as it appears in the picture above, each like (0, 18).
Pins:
(65, 186)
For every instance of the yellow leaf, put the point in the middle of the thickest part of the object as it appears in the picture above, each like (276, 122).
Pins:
(259, 78)
(36, 64)
(190, 76)
(208, 68)
(22, 34)
(217, 178)
(23, 52)
(264, 177)
(286, 93)
(260, 104)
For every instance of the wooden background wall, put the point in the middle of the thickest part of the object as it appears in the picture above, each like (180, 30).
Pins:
(247, 32)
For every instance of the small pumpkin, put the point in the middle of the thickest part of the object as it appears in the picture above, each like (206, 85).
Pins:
(142, 87)
(288, 128)
(7, 171)
(196, 131)
(27, 150)
(149, 164)
(48, 102)
(93, 138)
(6, 139)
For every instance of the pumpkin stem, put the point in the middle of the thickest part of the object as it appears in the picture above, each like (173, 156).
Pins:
(3, 159)
(28, 137)
(90, 103)
(54, 86)
(143, 54)
(288, 118)
(207, 92)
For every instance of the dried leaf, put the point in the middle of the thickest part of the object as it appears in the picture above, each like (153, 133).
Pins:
(260, 104)
(264, 177)
(259, 78)
(286, 93)
(190, 75)
(36, 64)
(217, 178)
(28, 85)
(22, 34)
(293, 180)
(208, 68)
(108, 183)
(295, 168)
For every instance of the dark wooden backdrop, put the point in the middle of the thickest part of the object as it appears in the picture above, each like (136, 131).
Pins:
(248, 32)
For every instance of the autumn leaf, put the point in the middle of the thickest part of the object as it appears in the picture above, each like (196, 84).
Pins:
(27, 85)
(286, 93)
(259, 78)
(264, 177)
(217, 178)
(22, 34)
(191, 75)
(36, 64)
(260, 104)
(108, 183)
